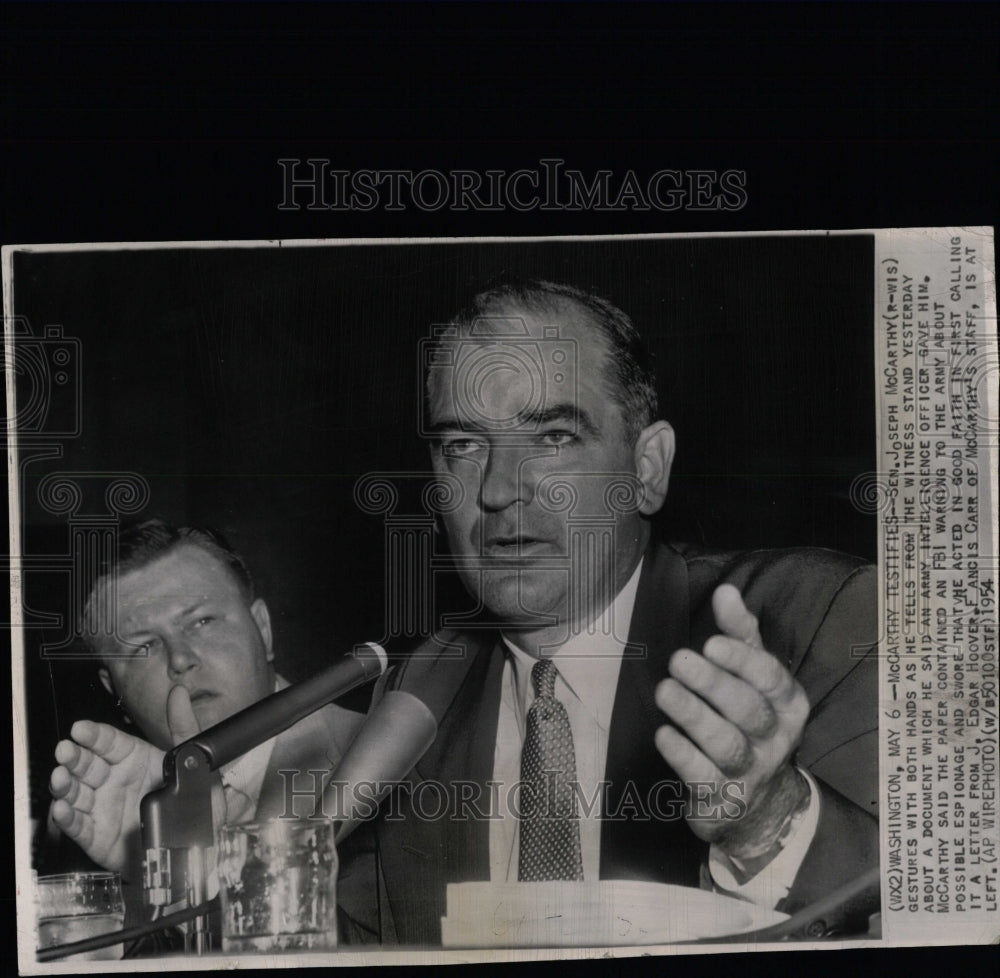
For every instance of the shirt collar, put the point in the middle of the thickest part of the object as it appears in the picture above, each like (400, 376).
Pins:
(589, 662)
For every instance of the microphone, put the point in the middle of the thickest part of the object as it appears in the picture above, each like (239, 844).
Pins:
(271, 716)
(395, 735)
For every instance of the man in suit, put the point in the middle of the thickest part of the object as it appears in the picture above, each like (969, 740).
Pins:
(711, 719)
(188, 644)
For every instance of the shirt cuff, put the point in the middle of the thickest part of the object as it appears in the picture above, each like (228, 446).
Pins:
(771, 885)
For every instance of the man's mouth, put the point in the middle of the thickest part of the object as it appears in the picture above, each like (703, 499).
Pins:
(201, 695)
(517, 545)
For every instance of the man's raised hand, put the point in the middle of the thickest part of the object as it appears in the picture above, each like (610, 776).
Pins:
(738, 716)
(102, 775)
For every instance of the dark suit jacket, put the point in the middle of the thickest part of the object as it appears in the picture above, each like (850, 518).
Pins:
(817, 612)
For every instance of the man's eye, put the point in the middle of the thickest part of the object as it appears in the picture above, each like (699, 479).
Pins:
(558, 437)
(460, 447)
(204, 620)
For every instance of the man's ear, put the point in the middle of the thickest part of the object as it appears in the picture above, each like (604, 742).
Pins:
(104, 674)
(263, 618)
(654, 456)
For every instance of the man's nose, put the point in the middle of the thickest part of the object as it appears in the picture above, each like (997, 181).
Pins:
(181, 655)
(505, 479)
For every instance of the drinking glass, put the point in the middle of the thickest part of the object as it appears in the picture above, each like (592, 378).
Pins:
(277, 881)
(74, 906)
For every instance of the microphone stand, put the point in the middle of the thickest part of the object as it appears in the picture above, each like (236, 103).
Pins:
(177, 833)
(176, 819)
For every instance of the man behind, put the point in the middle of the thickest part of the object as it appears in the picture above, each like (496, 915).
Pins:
(542, 409)
(183, 643)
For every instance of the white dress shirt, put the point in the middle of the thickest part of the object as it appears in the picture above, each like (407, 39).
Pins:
(588, 667)
(246, 773)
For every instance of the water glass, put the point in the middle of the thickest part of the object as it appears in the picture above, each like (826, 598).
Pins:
(74, 906)
(277, 881)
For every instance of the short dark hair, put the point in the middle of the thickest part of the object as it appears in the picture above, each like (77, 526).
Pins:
(142, 543)
(631, 377)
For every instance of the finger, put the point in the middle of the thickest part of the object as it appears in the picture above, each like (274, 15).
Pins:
(72, 791)
(62, 784)
(180, 716)
(722, 742)
(733, 617)
(78, 826)
(107, 742)
(733, 698)
(81, 763)
(85, 732)
(691, 765)
(85, 798)
(79, 796)
(755, 666)
(69, 755)
(61, 812)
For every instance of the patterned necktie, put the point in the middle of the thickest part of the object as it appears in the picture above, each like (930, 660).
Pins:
(550, 830)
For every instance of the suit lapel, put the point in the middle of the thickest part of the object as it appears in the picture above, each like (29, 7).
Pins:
(658, 847)
(659, 626)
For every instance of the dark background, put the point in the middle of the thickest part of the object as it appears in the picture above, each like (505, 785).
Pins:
(164, 121)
